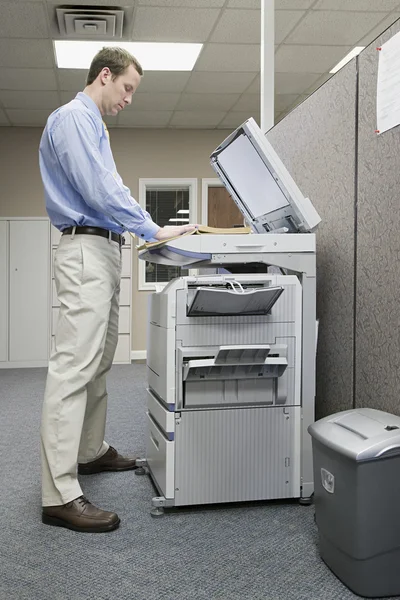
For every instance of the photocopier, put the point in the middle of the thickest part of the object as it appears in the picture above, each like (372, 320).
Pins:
(231, 353)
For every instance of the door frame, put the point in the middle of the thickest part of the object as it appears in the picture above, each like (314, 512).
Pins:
(205, 184)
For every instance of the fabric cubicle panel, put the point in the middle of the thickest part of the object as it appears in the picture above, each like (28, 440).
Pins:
(316, 142)
(378, 247)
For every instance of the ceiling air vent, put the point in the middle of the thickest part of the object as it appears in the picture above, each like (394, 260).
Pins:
(90, 22)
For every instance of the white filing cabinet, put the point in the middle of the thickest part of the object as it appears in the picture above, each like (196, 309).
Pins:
(123, 351)
(24, 292)
(3, 291)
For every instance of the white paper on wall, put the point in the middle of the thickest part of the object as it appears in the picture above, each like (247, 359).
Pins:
(388, 87)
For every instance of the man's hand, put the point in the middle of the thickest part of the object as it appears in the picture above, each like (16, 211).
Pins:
(173, 231)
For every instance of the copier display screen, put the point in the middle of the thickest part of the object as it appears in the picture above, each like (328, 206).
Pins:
(250, 177)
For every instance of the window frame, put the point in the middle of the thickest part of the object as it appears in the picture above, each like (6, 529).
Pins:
(164, 182)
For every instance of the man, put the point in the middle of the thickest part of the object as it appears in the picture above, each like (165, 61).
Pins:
(87, 200)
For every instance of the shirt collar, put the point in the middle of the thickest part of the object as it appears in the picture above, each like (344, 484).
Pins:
(89, 103)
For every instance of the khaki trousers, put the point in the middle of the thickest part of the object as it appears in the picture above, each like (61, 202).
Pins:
(87, 270)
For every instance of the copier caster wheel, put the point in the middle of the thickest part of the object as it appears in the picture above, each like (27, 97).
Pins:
(158, 503)
(306, 501)
(141, 464)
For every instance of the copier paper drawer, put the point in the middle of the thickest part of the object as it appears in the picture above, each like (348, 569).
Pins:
(160, 458)
(163, 417)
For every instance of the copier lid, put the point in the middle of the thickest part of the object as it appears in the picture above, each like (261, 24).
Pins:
(360, 434)
(260, 185)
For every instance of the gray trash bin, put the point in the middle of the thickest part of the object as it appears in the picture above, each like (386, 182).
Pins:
(356, 455)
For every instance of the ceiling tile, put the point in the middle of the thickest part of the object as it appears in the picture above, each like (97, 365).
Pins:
(244, 4)
(149, 101)
(304, 59)
(207, 101)
(27, 79)
(72, 79)
(379, 29)
(3, 118)
(285, 20)
(141, 118)
(248, 102)
(254, 88)
(284, 101)
(243, 26)
(229, 57)
(288, 4)
(188, 3)
(197, 119)
(218, 83)
(294, 83)
(361, 5)
(28, 118)
(23, 19)
(333, 27)
(31, 100)
(235, 118)
(317, 84)
(67, 96)
(26, 53)
(164, 81)
(153, 24)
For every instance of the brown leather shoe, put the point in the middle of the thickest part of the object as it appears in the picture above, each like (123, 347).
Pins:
(80, 515)
(110, 461)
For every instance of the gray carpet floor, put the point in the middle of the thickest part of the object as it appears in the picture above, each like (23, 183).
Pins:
(262, 551)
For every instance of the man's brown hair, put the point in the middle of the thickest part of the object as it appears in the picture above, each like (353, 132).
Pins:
(116, 59)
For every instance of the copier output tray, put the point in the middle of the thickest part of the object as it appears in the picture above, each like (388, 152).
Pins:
(213, 302)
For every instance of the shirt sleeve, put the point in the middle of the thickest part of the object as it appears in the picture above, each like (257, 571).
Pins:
(76, 143)
(118, 177)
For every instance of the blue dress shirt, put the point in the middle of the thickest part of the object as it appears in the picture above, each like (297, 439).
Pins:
(81, 183)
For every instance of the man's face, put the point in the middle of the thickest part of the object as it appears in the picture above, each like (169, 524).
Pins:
(118, 92)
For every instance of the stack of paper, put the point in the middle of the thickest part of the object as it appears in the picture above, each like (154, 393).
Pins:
(200, 230)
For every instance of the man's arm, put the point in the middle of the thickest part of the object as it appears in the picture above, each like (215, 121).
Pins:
(75, 142)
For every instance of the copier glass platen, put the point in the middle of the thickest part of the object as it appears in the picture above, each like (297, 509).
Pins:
(231, 353)
(260, 184)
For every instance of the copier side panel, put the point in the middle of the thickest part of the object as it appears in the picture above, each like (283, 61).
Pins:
(161, 346)
(237, 455)
(160, 457)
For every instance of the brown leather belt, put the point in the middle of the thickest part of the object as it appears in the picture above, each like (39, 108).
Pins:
(116, 237)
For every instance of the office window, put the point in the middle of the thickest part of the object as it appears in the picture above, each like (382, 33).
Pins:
(169, 202)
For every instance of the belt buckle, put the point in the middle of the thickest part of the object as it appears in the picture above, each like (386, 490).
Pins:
(121, 240)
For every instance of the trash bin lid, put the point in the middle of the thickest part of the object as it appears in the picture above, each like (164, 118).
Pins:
(360, 434)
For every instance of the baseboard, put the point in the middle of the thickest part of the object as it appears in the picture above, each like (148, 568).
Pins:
(138, 355)
(30, 364)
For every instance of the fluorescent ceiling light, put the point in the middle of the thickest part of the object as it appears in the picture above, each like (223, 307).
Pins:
(152, 56)
(183, 211)
(347, 58)
(179, 220)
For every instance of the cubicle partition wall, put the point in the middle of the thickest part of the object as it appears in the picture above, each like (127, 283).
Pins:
(377, 339)
(316, 142)
(352, 175)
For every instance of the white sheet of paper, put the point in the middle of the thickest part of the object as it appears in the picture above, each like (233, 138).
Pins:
(388, 89)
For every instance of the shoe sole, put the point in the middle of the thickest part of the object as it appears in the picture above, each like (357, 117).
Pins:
(47, 520)
(104, 469)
